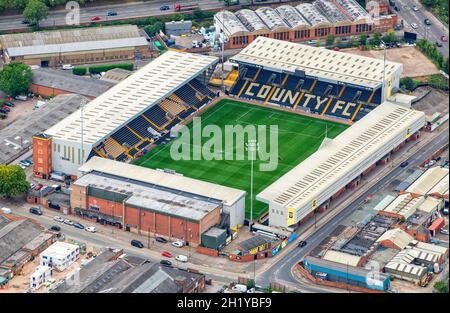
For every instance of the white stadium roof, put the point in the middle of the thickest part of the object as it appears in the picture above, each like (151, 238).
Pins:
(318, 62)
(330, 168)
(228, 195)
(132, 96)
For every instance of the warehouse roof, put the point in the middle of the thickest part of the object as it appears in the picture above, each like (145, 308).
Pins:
(173, 181)
(429, 247)
(271, 18)
(57, 79)
(343, 155)
(397, 236)
(342, 257)
(151, 198)
(404, 205)
(354, 10)
(132, 96)
(291, 16)
(76, 46)
(430, 205)
(68, 36)
(434, 180)
(17, 136)
(251, 20)
(315, 61)
(330, 10)
(230, 23)
(310, 12)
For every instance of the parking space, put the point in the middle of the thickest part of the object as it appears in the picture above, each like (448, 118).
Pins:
(21, 109)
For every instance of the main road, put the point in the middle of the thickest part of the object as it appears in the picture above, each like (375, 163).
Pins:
(432, 33)
(281, 270)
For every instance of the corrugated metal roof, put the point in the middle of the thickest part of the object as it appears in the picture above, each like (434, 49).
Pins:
(399, 237)
(434, 179)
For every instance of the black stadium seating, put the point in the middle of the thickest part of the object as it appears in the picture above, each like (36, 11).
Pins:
(124, 135)
(156, 115)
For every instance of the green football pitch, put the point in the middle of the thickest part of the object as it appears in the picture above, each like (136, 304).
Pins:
(298, 137)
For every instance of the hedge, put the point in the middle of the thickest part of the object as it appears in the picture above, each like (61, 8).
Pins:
(79, 70)
(95, 69)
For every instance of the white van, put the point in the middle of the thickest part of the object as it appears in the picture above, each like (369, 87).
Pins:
(6, 210)
(181, 258)
(67, 67)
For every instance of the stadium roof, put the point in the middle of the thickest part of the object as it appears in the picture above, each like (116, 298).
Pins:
(318, 62)
(173, 181)
(434, 180)
(328, 167)
(132, 96)
(151, 198)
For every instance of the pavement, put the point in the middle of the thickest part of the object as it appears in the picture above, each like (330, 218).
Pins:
(433, 32)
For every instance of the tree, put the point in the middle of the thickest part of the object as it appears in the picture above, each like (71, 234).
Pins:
(363, 40)
(390, 36)
(376, 39)
(441, 286)
(35, 12)
(408, 83)
(15, 78)
(13, 180)
(330, 40)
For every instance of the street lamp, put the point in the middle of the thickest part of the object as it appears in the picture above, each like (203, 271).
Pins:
(384, 64)
(252, 147)
(222, 41)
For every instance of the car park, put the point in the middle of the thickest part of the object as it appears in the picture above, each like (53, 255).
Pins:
(302, 243)
(90, 229)
(181, 258)
(55, 228)
(58, 218)
(167, 254)
(161, 240)
(34, 210)
(68, 222)
(178, 244)
(137, 244)
(165, 263)
(78, 225)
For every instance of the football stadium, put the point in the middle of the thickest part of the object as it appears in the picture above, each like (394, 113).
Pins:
(335, 114)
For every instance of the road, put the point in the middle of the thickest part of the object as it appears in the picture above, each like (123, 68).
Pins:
(281, 270)
(432, 33)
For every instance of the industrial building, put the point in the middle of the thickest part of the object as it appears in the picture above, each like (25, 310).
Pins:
(433, 182)
(346, 274)
(145, 200)
(75, 46)
(48, 82)
(128, 117)
(306, 21)
(60, 255)
(339, 163)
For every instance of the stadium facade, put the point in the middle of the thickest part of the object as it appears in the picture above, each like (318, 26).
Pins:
(306, 21)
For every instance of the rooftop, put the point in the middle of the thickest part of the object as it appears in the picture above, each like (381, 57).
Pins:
(291, 16)
(329, 9)
(251, 20)
(434, 180)
(132, 96)
(271, 18)
(317, 62)
(399, 237)
(148, 197)
(71, 83)
(228, 195)
(341, 156)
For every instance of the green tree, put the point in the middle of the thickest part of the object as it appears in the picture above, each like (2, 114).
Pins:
(376, 39)
(13, 180)
(152, 29)
(330, 40)
(35, 12)
(390, 36)
(441, 286)
(15, 78)
(407, 83)
(363, 40)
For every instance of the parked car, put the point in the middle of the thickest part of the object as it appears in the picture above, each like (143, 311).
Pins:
(167, 254)
(6, 210)
(68, 222)
(55, 228)
(178, 244)
(67, 67)
(137, 244)
(161, 239)
(427, 22)
(111, 13)
(404, 164)
(10, 104)
(181, 258)
(164, 8)
(3, 111)
(414, 25)
(396, 8)
(90, 229)
(34, 210)
(58, 218)
(165, 263)
(302, 243)
(6, 108)
(95, 18)
(38, 187)
(415, 8)
(444, 231)
(21, 98)
(78, 225)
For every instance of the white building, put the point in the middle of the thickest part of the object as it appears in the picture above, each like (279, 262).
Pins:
(40, 276)
(60, 255)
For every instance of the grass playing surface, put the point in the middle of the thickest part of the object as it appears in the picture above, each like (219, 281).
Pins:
(298, 137)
